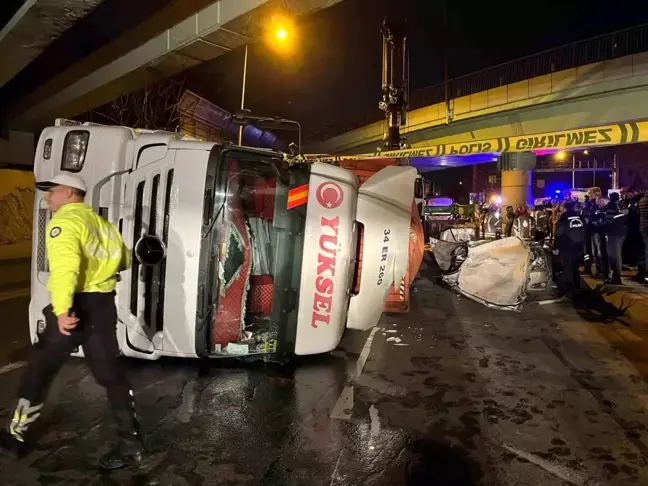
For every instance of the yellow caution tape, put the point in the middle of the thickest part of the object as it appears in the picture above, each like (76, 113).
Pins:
(618, 134)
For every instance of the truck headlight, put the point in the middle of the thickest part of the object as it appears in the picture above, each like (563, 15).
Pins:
(74, 150)
(40, 326)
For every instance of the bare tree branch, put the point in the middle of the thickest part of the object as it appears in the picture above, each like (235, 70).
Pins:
(153, 107)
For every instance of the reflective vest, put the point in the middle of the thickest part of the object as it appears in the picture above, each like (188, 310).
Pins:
(493, 225)
(523, 227)
(85, 253)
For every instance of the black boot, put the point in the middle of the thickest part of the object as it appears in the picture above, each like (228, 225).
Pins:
(11, 445)
(129, 450)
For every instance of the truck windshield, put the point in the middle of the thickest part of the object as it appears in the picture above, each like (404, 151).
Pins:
(256, 251)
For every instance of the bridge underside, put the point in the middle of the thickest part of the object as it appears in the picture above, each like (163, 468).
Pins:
(427, 164)
(606, 107)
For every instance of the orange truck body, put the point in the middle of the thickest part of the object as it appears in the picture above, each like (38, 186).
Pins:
(398, 299)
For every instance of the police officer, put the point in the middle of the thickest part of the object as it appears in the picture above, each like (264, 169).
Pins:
(85, 253)
(569, 243)
(587, 212)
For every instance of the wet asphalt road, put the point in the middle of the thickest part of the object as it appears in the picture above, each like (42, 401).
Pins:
(469, 396)
(14, 320)
(14, 300)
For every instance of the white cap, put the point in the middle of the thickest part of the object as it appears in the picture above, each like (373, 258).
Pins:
(63, 179)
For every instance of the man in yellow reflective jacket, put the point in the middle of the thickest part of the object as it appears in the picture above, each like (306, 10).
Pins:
(85, 253)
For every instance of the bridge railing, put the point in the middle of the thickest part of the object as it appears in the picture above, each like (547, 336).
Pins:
(596, 49)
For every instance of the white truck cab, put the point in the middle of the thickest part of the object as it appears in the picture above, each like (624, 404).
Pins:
(237, 251)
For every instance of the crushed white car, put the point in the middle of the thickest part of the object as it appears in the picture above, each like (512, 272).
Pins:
(506, 274)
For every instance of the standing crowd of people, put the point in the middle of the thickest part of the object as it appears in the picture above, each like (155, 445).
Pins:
(614, 231)
(601, 234)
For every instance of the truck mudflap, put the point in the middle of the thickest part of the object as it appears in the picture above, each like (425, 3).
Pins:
(384, 210)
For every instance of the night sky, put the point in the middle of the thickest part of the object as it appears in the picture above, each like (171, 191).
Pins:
(336, 73)
(7, 9)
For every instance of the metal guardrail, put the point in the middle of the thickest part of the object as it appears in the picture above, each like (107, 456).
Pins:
(596, 49)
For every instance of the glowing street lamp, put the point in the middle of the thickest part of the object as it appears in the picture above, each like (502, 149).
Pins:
(281, 34)
(277, 35)
(561, 155)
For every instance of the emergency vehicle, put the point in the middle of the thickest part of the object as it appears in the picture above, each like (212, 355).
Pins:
(237, 251)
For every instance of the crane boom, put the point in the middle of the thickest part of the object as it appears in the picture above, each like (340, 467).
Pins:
(394, 82)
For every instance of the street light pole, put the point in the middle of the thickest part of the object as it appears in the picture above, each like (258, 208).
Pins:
(240, 136)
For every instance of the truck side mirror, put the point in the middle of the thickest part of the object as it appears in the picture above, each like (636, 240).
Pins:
(150, 250)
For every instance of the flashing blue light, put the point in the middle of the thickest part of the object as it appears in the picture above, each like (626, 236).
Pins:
(557, 191)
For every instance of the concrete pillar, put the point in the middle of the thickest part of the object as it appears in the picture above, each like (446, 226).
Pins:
(516, 177)
(516, 187)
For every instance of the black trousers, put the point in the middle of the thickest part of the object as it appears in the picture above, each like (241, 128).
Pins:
(570, 277)
(96, 332)
(614, 245)
(599, 249)
(589, 249)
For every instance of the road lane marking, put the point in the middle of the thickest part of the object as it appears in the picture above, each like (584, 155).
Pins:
(365, 352)
(12, 366)
(570, 476)
(344, 405)
(375, 422)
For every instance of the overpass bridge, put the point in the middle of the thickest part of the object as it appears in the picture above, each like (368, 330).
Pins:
(61, 59)
(603, 80)
(552, 100)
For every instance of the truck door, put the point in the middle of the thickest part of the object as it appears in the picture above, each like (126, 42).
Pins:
(147, 198)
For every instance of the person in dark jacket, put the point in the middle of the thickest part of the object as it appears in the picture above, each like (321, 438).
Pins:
(643, 230)
(615, 233)
(633, 246)
(569, 244)
(599, 249)
(589, 208)
(510, 217)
